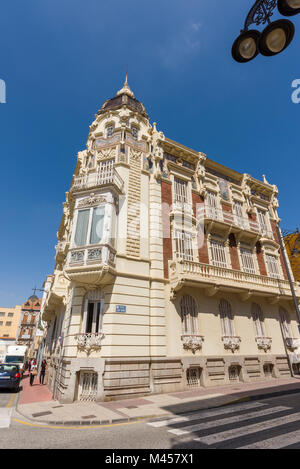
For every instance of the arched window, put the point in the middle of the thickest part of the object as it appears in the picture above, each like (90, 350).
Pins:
(93, 312)
(284, 320)
(188, 315)
(226, 319)
(109, 130)
(258, 320)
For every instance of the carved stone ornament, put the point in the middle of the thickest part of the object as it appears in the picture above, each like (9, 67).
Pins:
(89, 341)
(92, 200)
(291, 343)
(231, 343)
(192, 342)
(264, 343)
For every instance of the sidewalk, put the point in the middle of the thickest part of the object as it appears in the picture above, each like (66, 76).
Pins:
(36, 403)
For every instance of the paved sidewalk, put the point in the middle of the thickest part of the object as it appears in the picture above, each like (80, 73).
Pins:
(36, 403)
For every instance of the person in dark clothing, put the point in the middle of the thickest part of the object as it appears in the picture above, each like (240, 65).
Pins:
(43, 371)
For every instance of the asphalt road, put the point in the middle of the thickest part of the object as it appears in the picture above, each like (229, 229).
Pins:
(269, 423)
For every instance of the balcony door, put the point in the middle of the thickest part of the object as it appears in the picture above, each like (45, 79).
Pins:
(93, 313)
(105, 171)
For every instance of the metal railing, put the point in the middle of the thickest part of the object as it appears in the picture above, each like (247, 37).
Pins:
(98, 179)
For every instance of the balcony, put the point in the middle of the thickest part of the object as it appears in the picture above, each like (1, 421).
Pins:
(89, 341)
(99, 179)
(223, 219)
(291, 343)
(214, 279)
(192, 342)
(264, 343)
(94, 264)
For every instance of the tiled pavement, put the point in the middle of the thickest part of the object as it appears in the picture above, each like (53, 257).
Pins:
(36, 403)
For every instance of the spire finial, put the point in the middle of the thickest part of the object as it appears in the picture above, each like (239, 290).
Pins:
(126, 89)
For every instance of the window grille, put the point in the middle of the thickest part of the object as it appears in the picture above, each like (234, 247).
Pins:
(193, 376)
(262, 220)
(212, 206)
(233, 373)
(247, 261)
(134, 132)
(88, 382)
(105, 171)
(272, 265)
(218, 253)
(258, 320)
(184, 245)
(226, 319)
(188, 315)
(238, 214)
(180, 191)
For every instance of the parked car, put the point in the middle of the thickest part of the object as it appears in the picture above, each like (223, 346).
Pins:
(10, 376)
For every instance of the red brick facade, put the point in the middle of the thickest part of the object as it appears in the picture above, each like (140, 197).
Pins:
(235, 262)
(260, 260)
(198, 202)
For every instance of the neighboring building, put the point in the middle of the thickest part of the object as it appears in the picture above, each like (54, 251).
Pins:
(9, 322)
(169, 274)
(28, 326)
(292, 244)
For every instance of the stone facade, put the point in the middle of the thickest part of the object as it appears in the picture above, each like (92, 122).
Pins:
(168, 275)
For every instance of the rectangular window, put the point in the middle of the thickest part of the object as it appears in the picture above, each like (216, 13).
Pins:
(247, 261)
(180, 191)
(212, 210)
(218, 253)
(239, 218)
(10, 315)
(82, 227)
(184, 245)
(97, 225)
(8, 323)
(262, 221)
(272, 265)
(1, 323)
(2, 314)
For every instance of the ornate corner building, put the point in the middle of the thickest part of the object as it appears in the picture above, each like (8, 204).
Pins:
(169, 274)
(29, 318)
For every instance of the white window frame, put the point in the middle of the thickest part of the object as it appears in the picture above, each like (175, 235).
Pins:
(184, 244)
(247, 260)
(238, 214)
(258, 320)
(218, 253)
(189, 316)
(212, 205)
(90, 220)
(272, 263)
(180, 191)
(95, 297)
(227, 320)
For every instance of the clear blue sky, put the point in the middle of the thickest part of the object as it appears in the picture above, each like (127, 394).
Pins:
(62, 59)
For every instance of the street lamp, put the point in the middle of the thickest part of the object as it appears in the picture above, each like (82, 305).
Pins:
(276, 37)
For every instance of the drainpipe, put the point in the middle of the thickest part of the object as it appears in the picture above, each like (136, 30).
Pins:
(291, 282)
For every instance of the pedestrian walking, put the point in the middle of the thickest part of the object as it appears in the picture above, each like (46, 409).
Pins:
(43, 371)
(29, 365)
(33, 371)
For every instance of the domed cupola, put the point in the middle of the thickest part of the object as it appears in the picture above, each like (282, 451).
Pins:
(124, 97)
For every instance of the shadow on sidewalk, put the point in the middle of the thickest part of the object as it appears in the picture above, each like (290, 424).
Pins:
(255, 394)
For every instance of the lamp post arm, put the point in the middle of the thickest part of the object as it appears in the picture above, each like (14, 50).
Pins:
(260, 13)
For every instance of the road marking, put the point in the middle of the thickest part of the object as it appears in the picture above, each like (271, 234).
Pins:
(79, 427)
(210, 413)
(277, 442)
(11, 401)
(242, 431)
(237, 418)
(5, 417)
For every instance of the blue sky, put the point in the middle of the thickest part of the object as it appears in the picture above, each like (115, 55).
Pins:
(62, 59)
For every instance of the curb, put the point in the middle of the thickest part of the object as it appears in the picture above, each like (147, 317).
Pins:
(91, 423)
